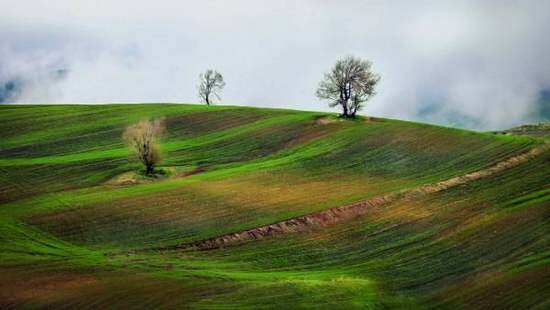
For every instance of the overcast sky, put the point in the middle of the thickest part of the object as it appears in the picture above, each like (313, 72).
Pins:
(477, 64)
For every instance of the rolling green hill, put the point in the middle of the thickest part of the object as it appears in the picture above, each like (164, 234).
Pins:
(79, 229)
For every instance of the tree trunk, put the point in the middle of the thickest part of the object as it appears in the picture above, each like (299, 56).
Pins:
(149, 169)
(353, 111)
(344, 109)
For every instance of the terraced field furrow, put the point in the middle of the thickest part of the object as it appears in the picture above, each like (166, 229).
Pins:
(332, 216)
(449, 218)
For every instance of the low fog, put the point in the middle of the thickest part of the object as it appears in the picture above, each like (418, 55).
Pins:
(474, 64)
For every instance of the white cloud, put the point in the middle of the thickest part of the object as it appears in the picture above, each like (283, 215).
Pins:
(482, 60)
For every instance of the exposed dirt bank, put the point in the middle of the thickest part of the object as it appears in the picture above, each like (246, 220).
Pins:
(333, 215)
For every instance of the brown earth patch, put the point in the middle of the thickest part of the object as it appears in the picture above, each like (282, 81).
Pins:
(499, 290)
(16, 290)
(210, 121)
(133, 178)
(370, 119)
(323, 120)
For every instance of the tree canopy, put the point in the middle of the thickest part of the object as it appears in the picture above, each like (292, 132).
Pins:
(349, 84)
(210, 84)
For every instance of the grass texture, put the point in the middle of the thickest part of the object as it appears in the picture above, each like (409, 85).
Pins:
(71, 237)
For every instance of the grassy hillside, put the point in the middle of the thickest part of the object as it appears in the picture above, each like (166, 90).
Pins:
(540, 130)
(73, 234)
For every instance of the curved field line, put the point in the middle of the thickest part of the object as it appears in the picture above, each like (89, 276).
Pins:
(331, 216)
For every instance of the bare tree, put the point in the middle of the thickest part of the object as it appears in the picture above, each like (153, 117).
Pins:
(142, 138)
(349, 84)
(210, 84)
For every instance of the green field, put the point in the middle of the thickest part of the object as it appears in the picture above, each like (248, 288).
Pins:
(73, 235)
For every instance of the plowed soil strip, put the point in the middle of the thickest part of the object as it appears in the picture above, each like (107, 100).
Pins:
(338, 214)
